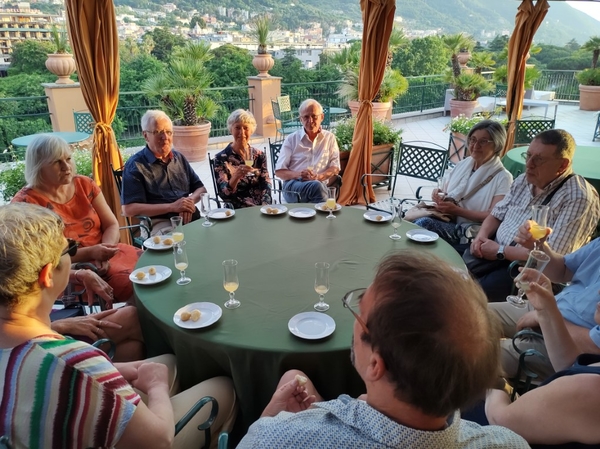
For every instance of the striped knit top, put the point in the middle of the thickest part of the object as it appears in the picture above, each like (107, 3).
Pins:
(62, 393)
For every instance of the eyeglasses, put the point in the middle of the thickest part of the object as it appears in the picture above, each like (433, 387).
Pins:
(71, 248)
(351, 301)
(162, 131)
(313, 117)
(473, 141)
(536, 161)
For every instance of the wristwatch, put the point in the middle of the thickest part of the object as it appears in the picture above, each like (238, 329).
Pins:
(500, 254)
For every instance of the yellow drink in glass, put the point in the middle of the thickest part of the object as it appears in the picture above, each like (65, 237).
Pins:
(177, 236)
(330, 204)
(537, 231)
(231, 286)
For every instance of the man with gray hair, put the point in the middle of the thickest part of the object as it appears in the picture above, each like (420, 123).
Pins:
(159, 181)
(310, 159)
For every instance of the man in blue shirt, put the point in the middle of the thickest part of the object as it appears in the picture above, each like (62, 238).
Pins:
(158, 181)
(577, 303)
(425, 346)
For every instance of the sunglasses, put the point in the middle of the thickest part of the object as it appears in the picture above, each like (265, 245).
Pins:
(71, 249)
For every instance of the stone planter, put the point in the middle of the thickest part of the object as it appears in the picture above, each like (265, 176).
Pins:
(589, 98)
(381, 111)
(380, 161)
(456, 149)
(458, 107)
(62, 65)
(192, 141)
(263, 63)
(463, 57)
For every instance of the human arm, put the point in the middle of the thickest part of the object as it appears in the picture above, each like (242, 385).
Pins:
(488, 227)
(563, 411)
(108, 221)
(289, 397)
(90, 326)
(93, 284)
(152, 425)
(477, 216)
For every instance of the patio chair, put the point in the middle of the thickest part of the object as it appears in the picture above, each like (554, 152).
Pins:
(415, 160)
(457, 150)
(597, 129)
(286, 122)
(274, 150)
(211, 163)
(84, 122)
(326, 123)
(500, 93)
(527, 129)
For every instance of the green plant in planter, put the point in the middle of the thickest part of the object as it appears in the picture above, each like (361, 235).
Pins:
(463, 124)
(59, 40)
(383, 133)
(593, 45)
(260, 32)
(392, 86)
(180, 88)
(531, 75)
(468, 86)
(589, 77)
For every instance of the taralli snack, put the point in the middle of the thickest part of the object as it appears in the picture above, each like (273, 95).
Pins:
(227, 213)
(140, 275)
(156, 239)
(168, 241)
(195, 315)
(324, 207)
(151, 271)
(301, 380)
(379, 218)
(185, 316)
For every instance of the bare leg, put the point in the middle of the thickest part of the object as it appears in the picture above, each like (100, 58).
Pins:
(129, 339)
(310, 388)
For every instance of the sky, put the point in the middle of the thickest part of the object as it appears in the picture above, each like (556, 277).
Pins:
(590, 8)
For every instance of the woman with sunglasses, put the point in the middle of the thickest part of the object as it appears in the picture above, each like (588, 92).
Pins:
(64, 392)
(475, 185)
(53, 183)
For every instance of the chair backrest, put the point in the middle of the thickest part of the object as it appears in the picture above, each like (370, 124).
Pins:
(84, 122)
(326, 123)
(274, 150)
(5, 444)
(527, 129)
(145, 225)
(211, 163)
(457, 149)
(422, 162)
(284, 103)
(501, 90)
(118, 175)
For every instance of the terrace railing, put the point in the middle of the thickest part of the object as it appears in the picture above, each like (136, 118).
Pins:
(562, 82)
(20, 116)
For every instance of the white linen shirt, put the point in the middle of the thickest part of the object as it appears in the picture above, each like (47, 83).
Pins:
(298, 152)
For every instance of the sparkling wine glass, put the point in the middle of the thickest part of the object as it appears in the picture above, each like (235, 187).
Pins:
(539, 215)
(396, 220)
(249, 161)
(330, 204)
(177, 225)
(321, 285)
(181, 262)
(537, 260)
(205, 209)
(441, 184)
(231, 282)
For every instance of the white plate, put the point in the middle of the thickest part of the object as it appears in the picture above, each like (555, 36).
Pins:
(149, 243)
(162, 273)
(422, 235)
(210, 314)
(302, 212)
(221, 214)
(281, 209)
(372, 215)
(311, 325)
(321, 207)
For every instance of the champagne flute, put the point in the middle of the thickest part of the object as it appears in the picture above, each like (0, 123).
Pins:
(539, 215)
(205, 209)
(177, 225)
(249, 161)
(330, 204)
(231, 282)
(321, 285)
(537, 260)
(441, 184)
(396, 221)
(181, 262)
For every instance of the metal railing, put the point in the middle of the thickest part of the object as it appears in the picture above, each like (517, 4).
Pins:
(20, 116)
(424, 92)
(562, 82)
(325, 92)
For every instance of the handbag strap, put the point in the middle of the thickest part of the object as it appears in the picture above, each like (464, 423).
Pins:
(478, 187)
(549, 197)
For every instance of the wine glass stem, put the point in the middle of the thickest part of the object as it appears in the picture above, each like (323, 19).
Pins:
(321, 299)
(231, 296)
(182, 274)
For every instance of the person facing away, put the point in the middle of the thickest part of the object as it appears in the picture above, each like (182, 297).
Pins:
(425, 346)
(574, 210)
(158, 181)
(309, 161)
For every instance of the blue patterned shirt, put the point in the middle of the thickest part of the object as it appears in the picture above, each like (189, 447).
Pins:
(351, 423)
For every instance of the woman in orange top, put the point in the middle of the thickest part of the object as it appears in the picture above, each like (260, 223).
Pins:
(52, 183)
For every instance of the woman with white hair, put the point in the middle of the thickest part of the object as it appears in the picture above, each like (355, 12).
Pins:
(240, 169)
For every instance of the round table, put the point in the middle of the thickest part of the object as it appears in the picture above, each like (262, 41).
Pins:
(586, 163)
(337, 111)
(70, 137)
(276, 268)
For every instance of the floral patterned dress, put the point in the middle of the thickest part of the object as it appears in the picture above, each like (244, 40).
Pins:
(250, 190)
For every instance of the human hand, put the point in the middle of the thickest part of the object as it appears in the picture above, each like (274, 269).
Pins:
(476, 246)
(129, 370)
(290, 397)
(436, 197)
(529, 320)
(90, 326)
(151, 375)
(95, 285)
(489, 249)
(104, 251)
(524, 237)
(186, 217)
(447, 207)
(184, 204)
(539, 291)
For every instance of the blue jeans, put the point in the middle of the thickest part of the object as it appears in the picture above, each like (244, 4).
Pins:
(309, 191)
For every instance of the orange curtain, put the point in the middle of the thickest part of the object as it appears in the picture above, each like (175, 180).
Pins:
(378, 21)
(93, 34)
(528, 20)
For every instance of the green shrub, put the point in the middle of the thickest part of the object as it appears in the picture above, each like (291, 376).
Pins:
(589, 77)
(463, 124)
(382, 133)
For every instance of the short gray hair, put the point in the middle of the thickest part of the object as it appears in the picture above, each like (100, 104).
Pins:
(241, 116)
(151, 117)
(496, 131)
(309, 102)
(32, 237)
(43, 150)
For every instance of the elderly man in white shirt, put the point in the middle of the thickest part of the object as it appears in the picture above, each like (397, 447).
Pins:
(310, 159)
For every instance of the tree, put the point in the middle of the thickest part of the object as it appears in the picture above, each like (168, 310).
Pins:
(165, 43)
(593, 45)
(197, 20)
(290, 68)
(481, 61)
(230, 66)
(136, 70)
(498, 43)
(455, 43)
(572, 45)
(30, 57)
(424, 56)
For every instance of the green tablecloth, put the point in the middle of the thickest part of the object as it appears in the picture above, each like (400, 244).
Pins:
(276, 256)
(586, 163)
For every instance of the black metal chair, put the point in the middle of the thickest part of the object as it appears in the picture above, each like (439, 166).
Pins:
(527, 129)
(211, 163)
(457, 150)
(274, 150)
(597, 129)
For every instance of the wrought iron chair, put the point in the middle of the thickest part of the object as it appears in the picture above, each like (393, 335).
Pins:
(211, 163)
(84, 122)
(286, 122)
(527, 129)
(597, 129)
(457, 150)
(280, 193)
(274, 150)
(500, 93)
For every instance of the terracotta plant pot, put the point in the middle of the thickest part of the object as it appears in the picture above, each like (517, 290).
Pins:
(589, 98)
(463, 57)
(263, 63)
(379, 153)
(380, 110)
(192, 141)
(465, 108)
(62, 65)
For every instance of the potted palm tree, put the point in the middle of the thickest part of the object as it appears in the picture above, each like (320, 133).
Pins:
(260, 32)
(589, 79)
(180, 91)
(61, 62)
